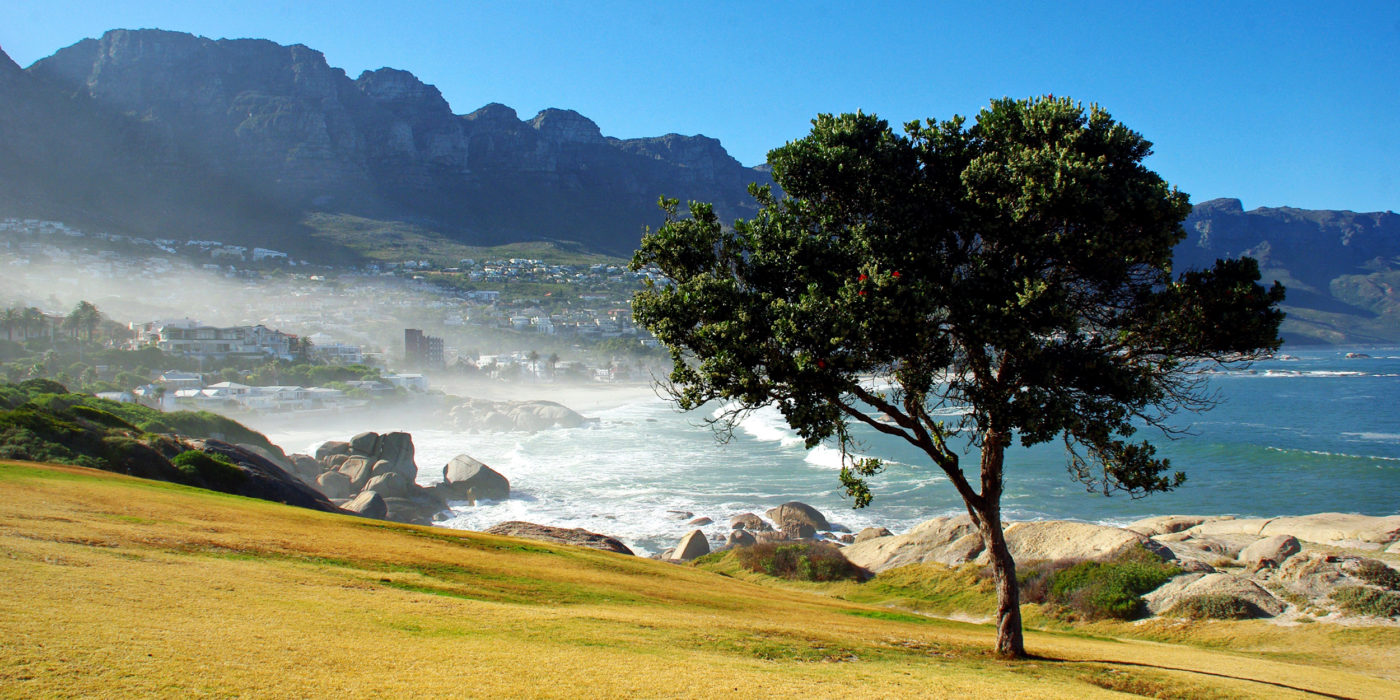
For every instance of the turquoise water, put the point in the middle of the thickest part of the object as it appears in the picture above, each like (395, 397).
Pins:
(1313, 434)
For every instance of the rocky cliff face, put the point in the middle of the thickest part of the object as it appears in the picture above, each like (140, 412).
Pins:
(279, 126)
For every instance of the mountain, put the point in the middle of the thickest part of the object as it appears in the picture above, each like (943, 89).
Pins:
(1342, 268)
(245, 136)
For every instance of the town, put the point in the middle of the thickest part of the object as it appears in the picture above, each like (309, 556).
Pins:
(233, 326)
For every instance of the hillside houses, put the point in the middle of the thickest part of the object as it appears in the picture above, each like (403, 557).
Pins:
(192, 339)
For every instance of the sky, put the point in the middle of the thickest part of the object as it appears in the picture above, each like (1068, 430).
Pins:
(1275, 103)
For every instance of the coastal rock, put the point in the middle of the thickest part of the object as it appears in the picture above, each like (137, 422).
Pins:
(367, 504)
(741, 538)
(334, 461)
(1168, 524)
(692, 545)
(330, 449)
(513, 416)
(306, 467)
(263, 479)
(750, 522)
(871, 533)
(397, 449)
(388, 485)
(1063, 539)
(930, 541)
(794, 512)
(1270, 551)
(364, 444)
(357, 469)
(1336, 529)
(702, 520)
(798, 531)
(547, 533)
(465, 478)
(1263, 603)
(333, 484)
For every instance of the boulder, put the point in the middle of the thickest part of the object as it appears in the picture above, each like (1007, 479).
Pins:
(305, 467)
(702, 520)
(871, 533)
(1270, 551)
(333, 484)
(334, 461)
(1166, 597)
(1167, 524)
(741, 538)
(547, 533)
(1337, 529)
(798, 531)
(847, 538)
(274, 455)
(365, 444)
(1064, 539)
(357, 469)
(750, 522)
(510, 416)
(261, 478)
(397, 449)
(331, 449)
(692, 545)
(388, 485)
(680, 514)
(464, 478)
(368, 504)
(795, 512)
(930, 541)
(405, 510)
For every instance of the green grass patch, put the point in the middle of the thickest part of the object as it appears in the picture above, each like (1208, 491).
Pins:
(1095, 590)
(1359, 600)
(1216, 606)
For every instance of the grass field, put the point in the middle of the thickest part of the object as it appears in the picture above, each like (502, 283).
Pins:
(118, 586)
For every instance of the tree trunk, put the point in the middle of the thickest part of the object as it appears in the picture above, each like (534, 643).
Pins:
(987, 515)
(1010, 642)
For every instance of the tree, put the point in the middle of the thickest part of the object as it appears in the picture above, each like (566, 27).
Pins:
(1019, 268)
(84, 317)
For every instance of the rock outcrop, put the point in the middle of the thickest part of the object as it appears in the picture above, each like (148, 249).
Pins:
(692, 545)
(794, 513)
(466, 479)
(374, 475)
(561, 535)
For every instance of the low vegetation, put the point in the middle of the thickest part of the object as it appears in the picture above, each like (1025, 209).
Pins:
(803, 561)
(100, 569)
(1360, 600)
(1095, 590)
(1215, 606)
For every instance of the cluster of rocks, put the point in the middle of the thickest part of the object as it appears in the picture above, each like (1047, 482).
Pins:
(790, 522)
(1275, 566)
(485, 415)
(376, 476)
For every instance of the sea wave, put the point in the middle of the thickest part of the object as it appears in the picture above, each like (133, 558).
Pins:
(1323, 453)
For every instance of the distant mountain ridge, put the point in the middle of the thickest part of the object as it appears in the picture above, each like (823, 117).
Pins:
(165, 134)
(289, 133)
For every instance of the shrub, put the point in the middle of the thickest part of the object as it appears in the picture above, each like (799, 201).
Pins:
(212, 469)
(1378, 574)
(1359, 600)
(101, 417)
(815, 561)
(1214, 606)
(1096, 590)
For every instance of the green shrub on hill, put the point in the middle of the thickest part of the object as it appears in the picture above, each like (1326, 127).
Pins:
(814, 561)
(210, 468)
(1215, 606)
(1095, 590)
(1360, 600)
(1378, 574)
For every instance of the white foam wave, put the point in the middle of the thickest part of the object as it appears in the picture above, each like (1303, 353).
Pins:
(1322, 453)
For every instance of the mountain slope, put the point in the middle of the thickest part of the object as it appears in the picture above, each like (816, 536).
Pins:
(277, 126)
(1341, 268)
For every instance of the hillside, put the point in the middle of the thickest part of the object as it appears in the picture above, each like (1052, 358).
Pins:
(265, 134)
(120, 586)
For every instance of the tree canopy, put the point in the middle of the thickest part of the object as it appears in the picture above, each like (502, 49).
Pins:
(1018, 267)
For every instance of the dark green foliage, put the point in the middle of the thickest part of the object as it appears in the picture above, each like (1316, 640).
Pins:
(1360, 600)
(209, 468)
(1215, 606)
(1378, 574)
(102, 417)
(1096, 590)
(816, 561)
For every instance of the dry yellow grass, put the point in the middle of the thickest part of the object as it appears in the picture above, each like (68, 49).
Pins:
(117, 586)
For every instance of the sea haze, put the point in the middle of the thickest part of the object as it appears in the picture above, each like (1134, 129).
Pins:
(1312, 434)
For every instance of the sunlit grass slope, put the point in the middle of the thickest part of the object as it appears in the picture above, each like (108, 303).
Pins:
(122, 587)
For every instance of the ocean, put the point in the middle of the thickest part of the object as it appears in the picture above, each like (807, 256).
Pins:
(1318, 432)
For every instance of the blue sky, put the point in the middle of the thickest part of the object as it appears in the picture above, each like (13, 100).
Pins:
(1277, 103)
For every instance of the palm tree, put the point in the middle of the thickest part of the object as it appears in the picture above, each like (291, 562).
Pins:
(553, 361)
(31, 318)
(11, 319)
(534, 358)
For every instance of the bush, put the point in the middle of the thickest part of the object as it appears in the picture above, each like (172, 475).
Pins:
(1378, 574)
(1215, 606)
(1096, 590)
(1359, 600)
(212, 469)
(815, 561)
